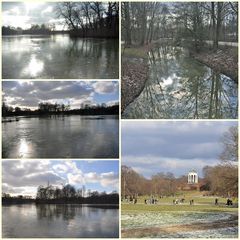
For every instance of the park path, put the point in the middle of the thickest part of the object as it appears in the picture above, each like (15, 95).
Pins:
(221, 43)
(231, 44)
(180, 228)
(179, 204)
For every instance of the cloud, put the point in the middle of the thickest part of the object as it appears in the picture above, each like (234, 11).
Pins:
(48, 9)
(30, 94)
(106, 87)
(171, 146)
(23, 14)
(112, 103)
(109, 179)
(150, 165)
(24, 176)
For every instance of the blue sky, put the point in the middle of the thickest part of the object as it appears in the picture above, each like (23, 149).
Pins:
(27, 94)
(150, 147)
(24, 176)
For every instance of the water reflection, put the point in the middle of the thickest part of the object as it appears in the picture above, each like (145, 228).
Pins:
(23, 148)
(34, 67)
(180, 87)
(49, 220)
(61, 136)
(59, 56)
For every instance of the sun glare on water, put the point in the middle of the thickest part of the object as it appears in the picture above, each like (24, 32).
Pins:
(34, 66)
(23, 148)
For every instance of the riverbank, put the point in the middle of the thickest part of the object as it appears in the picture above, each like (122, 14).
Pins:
(134, 73)
(224, 61)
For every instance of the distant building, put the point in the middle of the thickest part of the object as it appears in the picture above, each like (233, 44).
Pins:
(192, 182)
(192, 177)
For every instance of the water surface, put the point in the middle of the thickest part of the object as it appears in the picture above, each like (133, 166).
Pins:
(66, 221)
(58, 56)
(61, 137)
(180, 87)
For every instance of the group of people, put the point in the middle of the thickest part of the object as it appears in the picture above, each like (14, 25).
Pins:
(177, 201)
(151, 201)
(228, 203)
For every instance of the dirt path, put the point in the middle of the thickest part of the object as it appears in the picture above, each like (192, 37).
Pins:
(156, 231)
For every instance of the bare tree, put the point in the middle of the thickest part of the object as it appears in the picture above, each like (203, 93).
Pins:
(230, 145)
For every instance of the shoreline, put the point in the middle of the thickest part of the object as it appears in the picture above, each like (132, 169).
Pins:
(220, 61)
(135, 69)
(101, 205)
(131, 88)
(6, 119)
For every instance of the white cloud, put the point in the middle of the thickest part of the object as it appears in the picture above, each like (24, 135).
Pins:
(61, 168)
(23, 177)
(104, 87)
(112, 103)
(75, 179)
(149, 165)
(49, 9)
(29, 94)
(109, 179)
(91, 177)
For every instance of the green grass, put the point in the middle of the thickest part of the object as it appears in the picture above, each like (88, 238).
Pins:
(134, 52)
(168, 208)
(195, 195)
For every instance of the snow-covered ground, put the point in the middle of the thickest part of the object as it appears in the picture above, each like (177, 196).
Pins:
(144, 219)
(135, 220)
(228, 232)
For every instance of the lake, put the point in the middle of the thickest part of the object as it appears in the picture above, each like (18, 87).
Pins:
(66, 136)
(59, 221)
(59, 56)
(179, 87)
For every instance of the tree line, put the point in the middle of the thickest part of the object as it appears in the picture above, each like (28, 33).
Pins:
(90, 19)
(221, 180)
(47, 108)
(161, 184)
(42, 29)
(144, 22)
(82, 19)
(66, 194)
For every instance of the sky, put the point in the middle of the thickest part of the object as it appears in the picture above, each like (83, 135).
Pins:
(22, 177)
(28, 94)
(150, 147)
(24, 14)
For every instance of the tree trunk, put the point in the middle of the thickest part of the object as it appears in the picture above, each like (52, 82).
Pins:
(128, 24)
